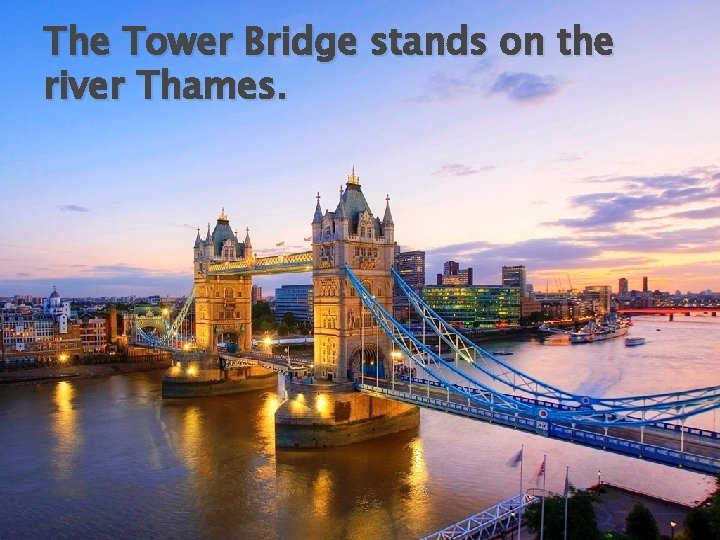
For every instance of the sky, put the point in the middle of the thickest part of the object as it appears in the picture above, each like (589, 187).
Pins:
(585, 169)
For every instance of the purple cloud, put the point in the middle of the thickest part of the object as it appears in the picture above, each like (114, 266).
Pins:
(73, 208)
(459, 169)
(525, 86)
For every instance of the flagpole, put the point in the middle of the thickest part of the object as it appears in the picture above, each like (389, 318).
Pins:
(522, 491)
(567, 492)
(542, 506)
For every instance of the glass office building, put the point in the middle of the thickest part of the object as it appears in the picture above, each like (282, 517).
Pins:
(296, 299)
(476, 306)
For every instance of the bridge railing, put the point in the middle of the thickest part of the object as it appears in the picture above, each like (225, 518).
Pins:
(551, 429)
(502, 517)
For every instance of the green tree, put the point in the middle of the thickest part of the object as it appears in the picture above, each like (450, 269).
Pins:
(640, 524)
(582, 522)
(703, 521)
(289, 319)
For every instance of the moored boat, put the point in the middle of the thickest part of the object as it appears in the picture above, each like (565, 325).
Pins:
(593, 331)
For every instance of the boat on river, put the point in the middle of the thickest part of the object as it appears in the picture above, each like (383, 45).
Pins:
(634, 341)
(593, 331)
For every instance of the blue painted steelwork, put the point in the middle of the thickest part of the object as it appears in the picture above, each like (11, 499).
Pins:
(548, 428)
(516, 380)
(172, 339)
(489, 523)
(563, 407)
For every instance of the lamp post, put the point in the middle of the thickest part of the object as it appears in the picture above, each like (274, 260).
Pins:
(599, 480)
(672, 529)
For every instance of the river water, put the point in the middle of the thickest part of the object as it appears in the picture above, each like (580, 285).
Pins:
(110, 458)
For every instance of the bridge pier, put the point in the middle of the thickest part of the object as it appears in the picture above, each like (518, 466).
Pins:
(197, 375)
(324, 414)
(671, 317)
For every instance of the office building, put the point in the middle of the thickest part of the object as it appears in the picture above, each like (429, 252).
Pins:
(411, 267)
(514, 276)
(597, 298)
(645, 284)
(295, 299)
(623, 287)
(476, 306)
(454, 275)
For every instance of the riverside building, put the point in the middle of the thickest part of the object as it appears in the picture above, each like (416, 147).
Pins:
(476, 306)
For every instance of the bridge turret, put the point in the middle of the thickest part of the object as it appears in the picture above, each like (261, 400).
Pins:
(351, 235)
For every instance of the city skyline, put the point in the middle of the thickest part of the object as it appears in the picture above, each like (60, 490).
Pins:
(594, 168)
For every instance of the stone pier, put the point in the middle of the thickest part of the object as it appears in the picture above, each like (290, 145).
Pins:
(323, 414)
(201, 375)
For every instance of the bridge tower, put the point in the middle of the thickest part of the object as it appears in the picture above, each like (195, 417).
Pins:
(350, 235)
(222, 302)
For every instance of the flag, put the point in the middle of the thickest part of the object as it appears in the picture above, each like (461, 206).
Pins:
(280, 243)
(541, 472)
(307, 239)
(516, 459)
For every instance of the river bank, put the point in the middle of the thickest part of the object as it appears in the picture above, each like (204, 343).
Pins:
(60, 373)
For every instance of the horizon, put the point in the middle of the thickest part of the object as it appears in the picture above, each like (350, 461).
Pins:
(582, 169)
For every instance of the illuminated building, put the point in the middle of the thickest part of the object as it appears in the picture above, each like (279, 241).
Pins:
(514, 276)
(295, 299)
(454, 275)
(411, 267)
(476, 306)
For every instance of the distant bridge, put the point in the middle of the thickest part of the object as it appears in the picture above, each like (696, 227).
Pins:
(669, 310)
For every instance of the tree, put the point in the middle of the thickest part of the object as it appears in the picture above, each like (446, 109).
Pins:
(703, 521)
(582, 522)
(289, 319)
(640, 524)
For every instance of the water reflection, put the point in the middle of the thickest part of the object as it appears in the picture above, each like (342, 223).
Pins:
(66, 430)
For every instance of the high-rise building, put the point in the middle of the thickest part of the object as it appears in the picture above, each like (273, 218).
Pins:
(598, 296)
(623, 286)
(514, 276)
(256, 293)
(454, 275)
(295, 299)
(645, 284)
(411, 267)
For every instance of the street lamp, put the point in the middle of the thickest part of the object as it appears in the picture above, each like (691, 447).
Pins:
(672, 529)
(599, 480)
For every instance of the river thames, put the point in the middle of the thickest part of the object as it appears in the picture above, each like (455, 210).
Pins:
(110, 458)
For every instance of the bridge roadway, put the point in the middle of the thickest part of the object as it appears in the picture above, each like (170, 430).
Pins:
(662, 443)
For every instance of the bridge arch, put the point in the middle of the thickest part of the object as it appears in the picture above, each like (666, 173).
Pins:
(368, 361)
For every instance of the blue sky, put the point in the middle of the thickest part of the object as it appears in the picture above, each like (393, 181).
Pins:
(593, 167)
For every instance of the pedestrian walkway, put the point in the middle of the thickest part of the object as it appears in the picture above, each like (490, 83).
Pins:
(617, 501)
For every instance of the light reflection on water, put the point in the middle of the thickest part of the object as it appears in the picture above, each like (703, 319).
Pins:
(66, 431)
(109, 457)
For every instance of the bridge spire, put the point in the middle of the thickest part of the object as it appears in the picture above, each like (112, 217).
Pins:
(353, 178)
(340, 211)
(387, 218)
(317, 218)
(223, 215)
(247, 238)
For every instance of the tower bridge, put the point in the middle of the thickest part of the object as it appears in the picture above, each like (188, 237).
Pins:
(370, 374)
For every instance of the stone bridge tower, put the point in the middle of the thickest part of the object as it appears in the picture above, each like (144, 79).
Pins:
(350, 235)
(222, 302)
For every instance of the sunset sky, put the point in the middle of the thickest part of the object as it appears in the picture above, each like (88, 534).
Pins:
(585, 169)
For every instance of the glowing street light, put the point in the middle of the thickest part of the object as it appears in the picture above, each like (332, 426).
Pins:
(672, 529)
(63, 357)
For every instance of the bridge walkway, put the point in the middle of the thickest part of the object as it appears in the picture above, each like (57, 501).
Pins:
(701, 454)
